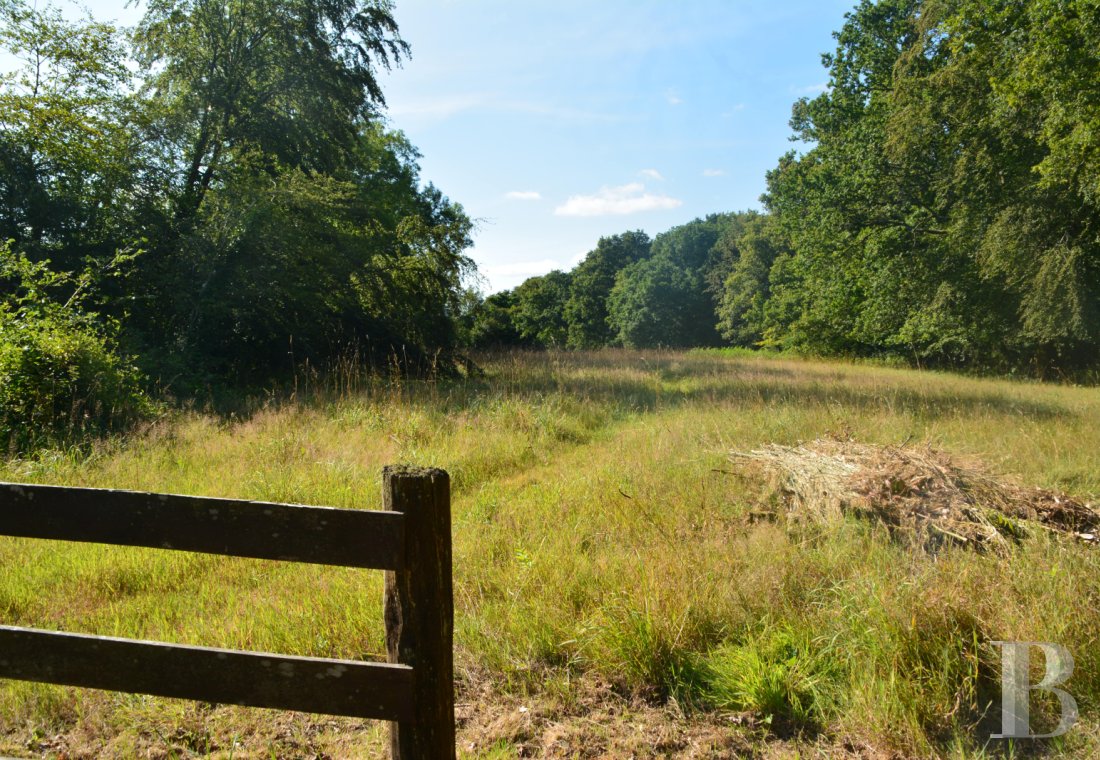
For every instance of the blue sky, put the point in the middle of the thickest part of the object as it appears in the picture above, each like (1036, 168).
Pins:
(555, 122)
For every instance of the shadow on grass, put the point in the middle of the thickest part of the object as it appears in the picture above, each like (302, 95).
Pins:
(633, 382)
(648, 383)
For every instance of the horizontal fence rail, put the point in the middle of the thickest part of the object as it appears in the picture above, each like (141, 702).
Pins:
(321, 535)
(410, 539)
(334, 687)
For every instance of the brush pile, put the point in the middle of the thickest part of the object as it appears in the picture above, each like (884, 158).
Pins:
(919, 494)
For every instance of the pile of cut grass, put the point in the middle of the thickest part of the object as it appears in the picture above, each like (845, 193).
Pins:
(922, 495)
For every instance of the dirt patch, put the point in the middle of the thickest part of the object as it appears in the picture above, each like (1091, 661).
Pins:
(597, 722)
(590, 720)
(922, 495)
(593, 723)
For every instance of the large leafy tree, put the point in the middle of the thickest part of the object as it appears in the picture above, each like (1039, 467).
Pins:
(539, 313)
(293, 265)
(947, 208)
(297, 227)
(276, 219)
(882, 262)
(488, 321)
(725, 253)
(656, 302)
(1032, 163)
(592, 280)
(845, 205)
(743, 318)
(290, 80)
(70, 148)
(664, 299)
(691, 246)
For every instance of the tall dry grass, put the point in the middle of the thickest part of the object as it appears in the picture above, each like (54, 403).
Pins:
(600, 536)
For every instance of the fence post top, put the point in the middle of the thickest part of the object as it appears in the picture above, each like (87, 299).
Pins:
(402, 471)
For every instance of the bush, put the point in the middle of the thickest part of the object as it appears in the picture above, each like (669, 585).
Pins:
(61, 378)
(60, 381)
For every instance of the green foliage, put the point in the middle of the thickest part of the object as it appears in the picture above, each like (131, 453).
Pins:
(539, 313)
(299, 229)
(290, 80)
(489, 322)
(298, 265)
(779, 674)
(281, 221)
(743, 319)
(631, 292)
(657, 303)
(691, 246)
(61, 377)
(946, 209)
(69, 138)
(725, 253)
(531, 315)
(592, 280)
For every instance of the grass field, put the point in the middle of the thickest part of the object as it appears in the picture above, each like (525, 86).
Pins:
(613, 595)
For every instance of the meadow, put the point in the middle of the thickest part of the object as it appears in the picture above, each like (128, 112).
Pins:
(616, 593)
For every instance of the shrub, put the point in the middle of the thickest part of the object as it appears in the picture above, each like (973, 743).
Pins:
(61, 378)
(60, 381)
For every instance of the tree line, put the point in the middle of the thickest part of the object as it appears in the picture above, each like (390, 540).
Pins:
(945, 211)
(210, 198)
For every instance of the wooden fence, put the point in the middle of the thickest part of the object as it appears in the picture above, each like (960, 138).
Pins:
(411, 540)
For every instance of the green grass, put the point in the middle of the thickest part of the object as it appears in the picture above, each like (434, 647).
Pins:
(601, 537)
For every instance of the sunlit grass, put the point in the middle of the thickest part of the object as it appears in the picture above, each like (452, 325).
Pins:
(599, 531)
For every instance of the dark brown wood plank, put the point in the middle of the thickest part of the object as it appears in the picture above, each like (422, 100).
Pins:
(348, 537)
(332, 687)
(419, 611)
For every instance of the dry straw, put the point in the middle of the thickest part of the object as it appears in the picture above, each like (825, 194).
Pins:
(920, 494)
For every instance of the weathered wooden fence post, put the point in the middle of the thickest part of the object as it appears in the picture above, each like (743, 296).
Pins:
(419, 609)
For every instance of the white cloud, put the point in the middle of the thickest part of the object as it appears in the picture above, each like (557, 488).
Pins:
(617, 201)
(673, 98)
(714, 172)
(524, 195)
(650, 174)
